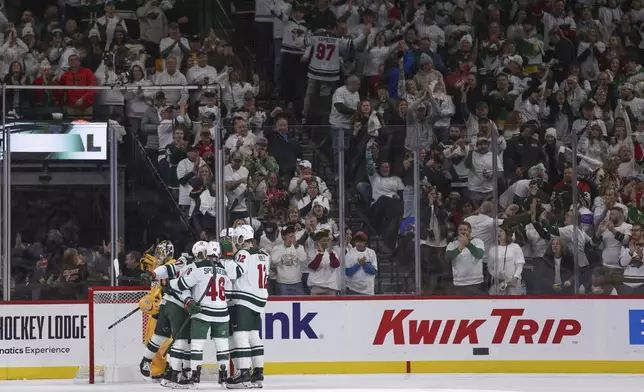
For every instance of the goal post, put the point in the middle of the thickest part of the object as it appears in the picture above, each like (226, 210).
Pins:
(115, 354)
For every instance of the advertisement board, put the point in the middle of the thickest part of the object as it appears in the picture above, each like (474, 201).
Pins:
(368, 335)
(42, 336)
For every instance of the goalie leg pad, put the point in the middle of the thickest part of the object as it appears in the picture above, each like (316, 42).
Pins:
(256, 349)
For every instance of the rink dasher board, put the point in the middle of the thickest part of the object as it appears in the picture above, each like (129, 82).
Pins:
(356, 335)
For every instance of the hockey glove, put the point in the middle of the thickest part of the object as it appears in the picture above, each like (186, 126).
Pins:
(191, 306)
(148, 262)
(148, 277)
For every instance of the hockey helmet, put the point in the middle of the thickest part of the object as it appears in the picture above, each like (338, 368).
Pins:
(227, 233)
(200, 250)
(214, 250)
(244, 233)
(164, 251)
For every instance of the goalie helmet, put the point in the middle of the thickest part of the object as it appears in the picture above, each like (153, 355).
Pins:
(214, 250)
(244, 233)
(200, 250)
(164, 251)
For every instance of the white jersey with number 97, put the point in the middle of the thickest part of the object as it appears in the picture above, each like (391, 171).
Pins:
(325, 52)
(251, 281)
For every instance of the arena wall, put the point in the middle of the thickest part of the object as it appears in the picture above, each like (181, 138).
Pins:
(353, 335)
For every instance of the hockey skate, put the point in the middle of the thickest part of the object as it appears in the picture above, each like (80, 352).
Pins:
(173, 382)
(223, 374)
(195, 378)
(257, 379)
(241, 380)
(144, 367)
(185, 379)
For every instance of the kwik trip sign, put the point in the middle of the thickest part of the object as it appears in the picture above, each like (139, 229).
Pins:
(407, 329)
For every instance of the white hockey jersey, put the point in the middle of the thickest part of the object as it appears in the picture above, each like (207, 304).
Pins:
(324, 52)
(250, 279)
(199, 278)
(293, 29)
(170, 271)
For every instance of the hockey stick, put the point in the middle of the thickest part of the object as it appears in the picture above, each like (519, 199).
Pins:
(187, 320)
(119, 321)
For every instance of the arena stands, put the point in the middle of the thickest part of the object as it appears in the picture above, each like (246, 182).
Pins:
(459, 147)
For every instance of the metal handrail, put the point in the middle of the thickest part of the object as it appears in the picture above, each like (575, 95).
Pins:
(224, 14)
(161, 184)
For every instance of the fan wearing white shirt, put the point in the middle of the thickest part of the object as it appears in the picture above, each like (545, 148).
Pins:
(613, 235)
(631, 259)
(345, 100)
(241, 141)
(187, 169)
(482, 223)
(286, 261)
(482, 179)
(174, 44)
(202, 74)
(325, 266)
(466, 255)
(505, 265)
(567, 232)
(236, 180)
(268, 241)
(109, 22)
(361, 266)
(172, 77)
(386, 207)
(518, 190)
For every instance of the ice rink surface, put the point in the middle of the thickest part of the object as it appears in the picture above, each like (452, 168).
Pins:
(382, 383)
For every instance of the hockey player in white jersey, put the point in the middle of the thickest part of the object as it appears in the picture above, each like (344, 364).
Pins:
(203, 289)
(248, 299)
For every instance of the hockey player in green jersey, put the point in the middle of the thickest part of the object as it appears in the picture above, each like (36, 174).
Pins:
(206, 280)
(248, 299)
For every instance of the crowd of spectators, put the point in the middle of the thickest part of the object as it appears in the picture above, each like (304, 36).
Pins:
(479, 97)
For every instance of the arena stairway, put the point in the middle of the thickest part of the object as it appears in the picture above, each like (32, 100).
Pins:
(150, 211)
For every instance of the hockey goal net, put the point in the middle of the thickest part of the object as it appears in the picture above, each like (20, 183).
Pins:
(115, 353)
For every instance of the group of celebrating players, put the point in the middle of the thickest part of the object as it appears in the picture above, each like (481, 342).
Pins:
(221, 289)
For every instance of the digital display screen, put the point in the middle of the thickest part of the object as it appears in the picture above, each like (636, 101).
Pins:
(73, 141)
